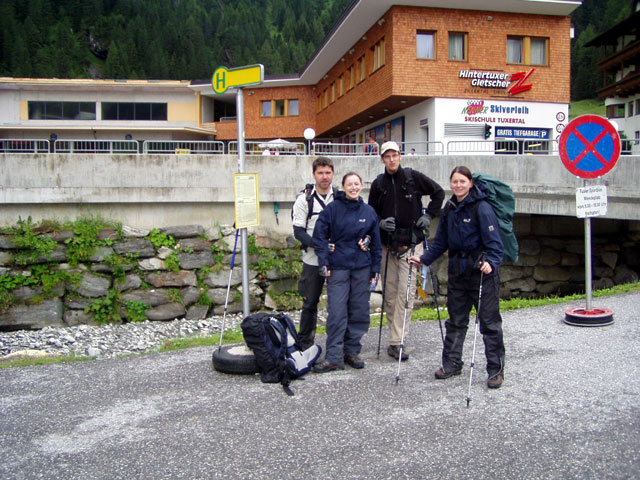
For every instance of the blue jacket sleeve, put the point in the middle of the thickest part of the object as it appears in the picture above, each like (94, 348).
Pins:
(439, 245)
(321, 235)
(376, 248)
(490, 234)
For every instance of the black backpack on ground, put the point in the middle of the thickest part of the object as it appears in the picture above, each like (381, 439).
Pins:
(276, 347)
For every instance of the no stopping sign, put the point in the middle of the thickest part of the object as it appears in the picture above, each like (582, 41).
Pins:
(589, 146)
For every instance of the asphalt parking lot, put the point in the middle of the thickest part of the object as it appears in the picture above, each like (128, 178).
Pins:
(569, 409)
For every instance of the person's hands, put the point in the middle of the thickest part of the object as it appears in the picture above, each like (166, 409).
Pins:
(423, 223)
(374, 281)
(324, 271)
(364, 243)
(388, 224)
(486, 268)
(414, 260)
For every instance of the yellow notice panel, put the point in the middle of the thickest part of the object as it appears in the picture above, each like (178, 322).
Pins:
(246, 192)
(224, 78)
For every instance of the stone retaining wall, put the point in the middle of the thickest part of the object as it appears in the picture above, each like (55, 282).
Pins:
(196, 289)
(194, 286)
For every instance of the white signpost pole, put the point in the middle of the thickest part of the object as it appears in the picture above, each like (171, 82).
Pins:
(244, 243)
(591, 201)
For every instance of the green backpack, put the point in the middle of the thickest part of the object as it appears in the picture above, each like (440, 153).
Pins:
(501, 198)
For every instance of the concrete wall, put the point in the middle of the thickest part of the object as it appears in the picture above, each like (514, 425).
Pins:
(148, 191)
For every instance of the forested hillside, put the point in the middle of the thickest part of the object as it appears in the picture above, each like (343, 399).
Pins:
(187, 39)
(159, 39)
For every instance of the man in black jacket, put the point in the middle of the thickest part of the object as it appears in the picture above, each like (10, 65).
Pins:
(396, 197)
(306, 209)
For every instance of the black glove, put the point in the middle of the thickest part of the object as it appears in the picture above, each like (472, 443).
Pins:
(423, 222)
(323, 271)
(388, 224)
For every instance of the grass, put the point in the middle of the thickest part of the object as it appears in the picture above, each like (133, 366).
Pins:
(590, 106)
(235, 336)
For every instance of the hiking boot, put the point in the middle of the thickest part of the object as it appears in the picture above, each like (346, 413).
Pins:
(326, 366)
(354, 360)
(495, 380)
(394, 351)
(441, 374)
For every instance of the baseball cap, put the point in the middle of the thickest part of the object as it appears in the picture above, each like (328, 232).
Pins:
(389, 146)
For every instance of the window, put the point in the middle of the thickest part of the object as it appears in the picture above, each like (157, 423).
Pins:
(638, 106)
(538, 51)
(341, 85)
(278, 111)
(457, 46)
(630, 108)
(527, 50)
(514, 50)
(333, 92)
(425, 42)
(134, 111)
(282, 108)
(266, 108)
(615, 111)
(325, 98)
(377, 56)
(62, 110)
(319, 103)
(293, 107)
(352, 76)
(361, 63)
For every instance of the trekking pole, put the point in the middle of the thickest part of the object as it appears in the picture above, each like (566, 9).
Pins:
(404, 320)
(226, 300)
(435, 293)
(475, 335)
(384, 284)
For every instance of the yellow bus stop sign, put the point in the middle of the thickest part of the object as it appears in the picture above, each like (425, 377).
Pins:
(224, 78)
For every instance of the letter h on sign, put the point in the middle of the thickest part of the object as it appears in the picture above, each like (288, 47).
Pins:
(220, 80)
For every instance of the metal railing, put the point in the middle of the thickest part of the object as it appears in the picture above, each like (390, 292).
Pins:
(264, 148)
(422, 148)
(22, 145)
(540, 147)
(343, 149)
(167, 147)
(630, 146)
(95, 146)
(489, 147)
(357, 149)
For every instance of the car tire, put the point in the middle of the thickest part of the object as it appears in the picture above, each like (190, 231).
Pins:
(234, 359)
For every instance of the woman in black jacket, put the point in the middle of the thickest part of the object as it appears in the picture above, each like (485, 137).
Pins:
(469, 229)
(351, 267)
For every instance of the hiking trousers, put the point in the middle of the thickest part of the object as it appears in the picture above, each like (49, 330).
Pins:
(348, 312)
(310, 288)
(395, 290)
(462, 294)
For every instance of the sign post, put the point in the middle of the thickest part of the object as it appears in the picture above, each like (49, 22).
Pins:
(589, 147)
(224, 78)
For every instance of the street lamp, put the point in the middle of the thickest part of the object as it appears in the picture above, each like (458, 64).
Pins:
(309, 134)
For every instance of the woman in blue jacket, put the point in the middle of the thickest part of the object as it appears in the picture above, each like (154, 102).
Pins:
(469, 229)
(352, 267)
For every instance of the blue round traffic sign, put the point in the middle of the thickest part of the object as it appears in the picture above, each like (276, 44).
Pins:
(589, 146)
